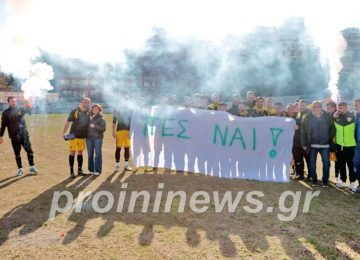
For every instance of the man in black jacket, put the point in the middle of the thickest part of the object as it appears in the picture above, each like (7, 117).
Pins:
(79, 119)
(13, 119)
(299, 153)
(317, 131)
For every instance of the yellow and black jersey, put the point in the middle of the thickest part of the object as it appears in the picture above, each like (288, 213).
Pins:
(282, 114)
(259, 113)
(122, 119)
(213, 106)
(300, 117)
(80, 119)
(271, 110)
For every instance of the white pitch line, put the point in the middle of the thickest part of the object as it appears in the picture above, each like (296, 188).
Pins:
(81, 183)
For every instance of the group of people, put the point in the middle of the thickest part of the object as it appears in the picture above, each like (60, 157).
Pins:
(87, 127)
(87, 130)
(334, 133)
(322, 127)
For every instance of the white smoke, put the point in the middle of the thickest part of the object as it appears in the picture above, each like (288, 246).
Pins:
(99, 30)
(37, 85)
(335, 68)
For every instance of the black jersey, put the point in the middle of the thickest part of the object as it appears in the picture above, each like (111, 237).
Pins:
(80, 122)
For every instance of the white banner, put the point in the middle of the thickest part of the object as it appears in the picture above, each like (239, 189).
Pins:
(213, 143)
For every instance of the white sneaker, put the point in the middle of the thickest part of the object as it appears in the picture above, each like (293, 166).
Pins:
(96, 173)
(337, 181)
(20, 172)
(33, 170)
(341, 185)
(128, 168)
(352, 186)
(117, 167)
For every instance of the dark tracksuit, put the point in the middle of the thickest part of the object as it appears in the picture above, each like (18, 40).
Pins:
(299, 153)
(13, 119)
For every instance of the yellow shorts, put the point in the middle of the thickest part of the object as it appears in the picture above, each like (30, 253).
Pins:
(123, 139)
(77, 144)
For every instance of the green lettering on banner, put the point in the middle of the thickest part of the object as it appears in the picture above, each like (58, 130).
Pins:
(222, 137)
(275, 133)
(278, 132)
(254, 139)
(149, 120)
(238, 136)
(167, 128)
(180, 135)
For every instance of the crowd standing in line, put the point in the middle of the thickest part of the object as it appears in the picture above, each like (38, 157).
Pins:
(333, 133)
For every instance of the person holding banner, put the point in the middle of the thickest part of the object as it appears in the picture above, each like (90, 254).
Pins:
(222, 107)
(290, 111)
(278, 110)
(234, 110)
(270, 105)
(242, 111)
(250, 101)
(196, 101)
(204, 102)
(317, 132)
(187, 102)
(13, 119)
(214, 102)
(259, 110)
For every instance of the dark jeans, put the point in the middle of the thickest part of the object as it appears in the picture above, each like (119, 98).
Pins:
(337, 171)
(325, 157)
(357, 161)
(24, 142)
(94, 147)
(345, 157)
(299, 155)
